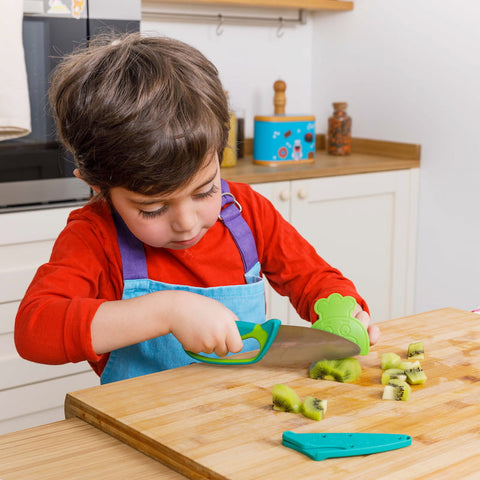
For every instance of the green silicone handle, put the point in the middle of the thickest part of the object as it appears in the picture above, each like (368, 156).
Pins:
(335, 315)
(264, 333)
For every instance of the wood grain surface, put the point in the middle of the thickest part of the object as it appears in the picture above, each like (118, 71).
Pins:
(307, 4)
(73, 450)
(217, 422)
(368, 156)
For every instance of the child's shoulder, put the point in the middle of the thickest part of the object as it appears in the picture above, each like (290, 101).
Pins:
(95, 217)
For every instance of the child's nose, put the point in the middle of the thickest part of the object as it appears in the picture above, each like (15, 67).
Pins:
(183, 218)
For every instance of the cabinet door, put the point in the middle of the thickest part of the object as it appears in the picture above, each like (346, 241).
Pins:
(364, 226)
(31, 393)
(279, 194)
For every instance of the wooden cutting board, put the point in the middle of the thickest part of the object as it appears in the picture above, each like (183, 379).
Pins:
(217, 422)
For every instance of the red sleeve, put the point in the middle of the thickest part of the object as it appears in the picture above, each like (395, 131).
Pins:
(54, 318)
(291, 264)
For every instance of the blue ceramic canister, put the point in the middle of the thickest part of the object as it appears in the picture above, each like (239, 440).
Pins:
(284, 139)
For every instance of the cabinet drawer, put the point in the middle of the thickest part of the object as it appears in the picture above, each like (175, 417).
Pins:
(18, 264)
(39, 403)
(32, 226)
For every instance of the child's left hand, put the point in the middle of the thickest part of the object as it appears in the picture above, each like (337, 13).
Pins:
(372, 329)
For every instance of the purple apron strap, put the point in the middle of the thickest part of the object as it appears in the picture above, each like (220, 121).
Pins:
(131, 250)
(232, 218)
(133, 253)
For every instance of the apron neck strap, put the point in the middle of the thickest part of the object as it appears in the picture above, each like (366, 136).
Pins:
(231, 216)
(134, 263)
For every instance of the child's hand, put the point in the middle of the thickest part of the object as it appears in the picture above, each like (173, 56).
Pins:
(202, 324)
(372, 329)
(199, 323)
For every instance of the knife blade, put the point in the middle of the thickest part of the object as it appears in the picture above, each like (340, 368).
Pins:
(286, 345)
(300, 346)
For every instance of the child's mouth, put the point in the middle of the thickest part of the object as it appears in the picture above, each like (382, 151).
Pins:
(187, 243)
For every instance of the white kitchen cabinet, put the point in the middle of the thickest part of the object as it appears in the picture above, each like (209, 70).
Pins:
(364, 225)
(32, 394)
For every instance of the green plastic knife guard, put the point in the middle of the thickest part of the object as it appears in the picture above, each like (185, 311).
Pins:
(335, 315)
(264, 333)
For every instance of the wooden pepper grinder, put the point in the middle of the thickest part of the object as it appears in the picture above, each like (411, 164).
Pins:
(339, 131)
(280, 139)
(279, 99)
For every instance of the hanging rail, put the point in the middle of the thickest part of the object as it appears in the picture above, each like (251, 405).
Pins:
(221, 20)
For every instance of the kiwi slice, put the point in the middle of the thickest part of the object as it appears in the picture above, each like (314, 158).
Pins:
(314, 408)
(416, 351)
(285, 399)
(390, 360)
(396, 390)
(344, 370)
(393, 373)
(415, 375)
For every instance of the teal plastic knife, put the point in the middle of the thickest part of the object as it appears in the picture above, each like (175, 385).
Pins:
(320, 446)
(285, 345)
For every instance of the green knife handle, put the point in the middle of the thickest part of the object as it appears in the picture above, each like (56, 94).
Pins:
(264, 333)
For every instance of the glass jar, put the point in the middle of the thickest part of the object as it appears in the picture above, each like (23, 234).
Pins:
(339, 139)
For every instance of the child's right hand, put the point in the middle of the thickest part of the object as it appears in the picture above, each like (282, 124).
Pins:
(199, 323)
(202, 324)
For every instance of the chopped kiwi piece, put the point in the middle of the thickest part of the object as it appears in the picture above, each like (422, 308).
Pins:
(415, 375)
(314, 408)
(390, 360)
(392, 373)
(344, 370)
(416, 351)
(405, 365)
(285, 399)
(396, 390)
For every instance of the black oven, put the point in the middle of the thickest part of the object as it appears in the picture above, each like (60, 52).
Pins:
(35, 171)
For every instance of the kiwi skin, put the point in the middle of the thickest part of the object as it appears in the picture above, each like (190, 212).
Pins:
(285, 399)
(344, 370)
(314, 408)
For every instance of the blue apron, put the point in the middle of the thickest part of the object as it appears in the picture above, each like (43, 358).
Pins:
(247, 301)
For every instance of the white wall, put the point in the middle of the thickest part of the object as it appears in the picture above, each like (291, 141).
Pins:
(250, 57)
(410, 72)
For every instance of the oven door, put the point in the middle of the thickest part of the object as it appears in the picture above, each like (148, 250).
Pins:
(35, 170)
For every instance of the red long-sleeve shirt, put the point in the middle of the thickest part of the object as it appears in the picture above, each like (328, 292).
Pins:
(54, 318)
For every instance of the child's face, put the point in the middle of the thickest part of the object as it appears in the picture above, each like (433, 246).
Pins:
(178, 220)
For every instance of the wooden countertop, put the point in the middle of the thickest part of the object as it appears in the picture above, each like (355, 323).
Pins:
(217, 422)
(74, 450)
(367, 156)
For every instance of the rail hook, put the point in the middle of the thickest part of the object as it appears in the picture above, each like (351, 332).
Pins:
(219, 30)
(281, 28)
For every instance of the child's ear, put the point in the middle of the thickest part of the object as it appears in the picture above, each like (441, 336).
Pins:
(95, 188)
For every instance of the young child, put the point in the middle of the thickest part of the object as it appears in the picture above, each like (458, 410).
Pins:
(166, 256)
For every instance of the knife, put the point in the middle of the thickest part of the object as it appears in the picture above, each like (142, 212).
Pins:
(320, 446)
(286, 345)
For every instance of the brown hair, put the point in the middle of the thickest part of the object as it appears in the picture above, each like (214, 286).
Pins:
(139, 112)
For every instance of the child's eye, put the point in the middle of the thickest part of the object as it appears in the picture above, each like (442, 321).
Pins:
(209, 193)
(152, 214)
